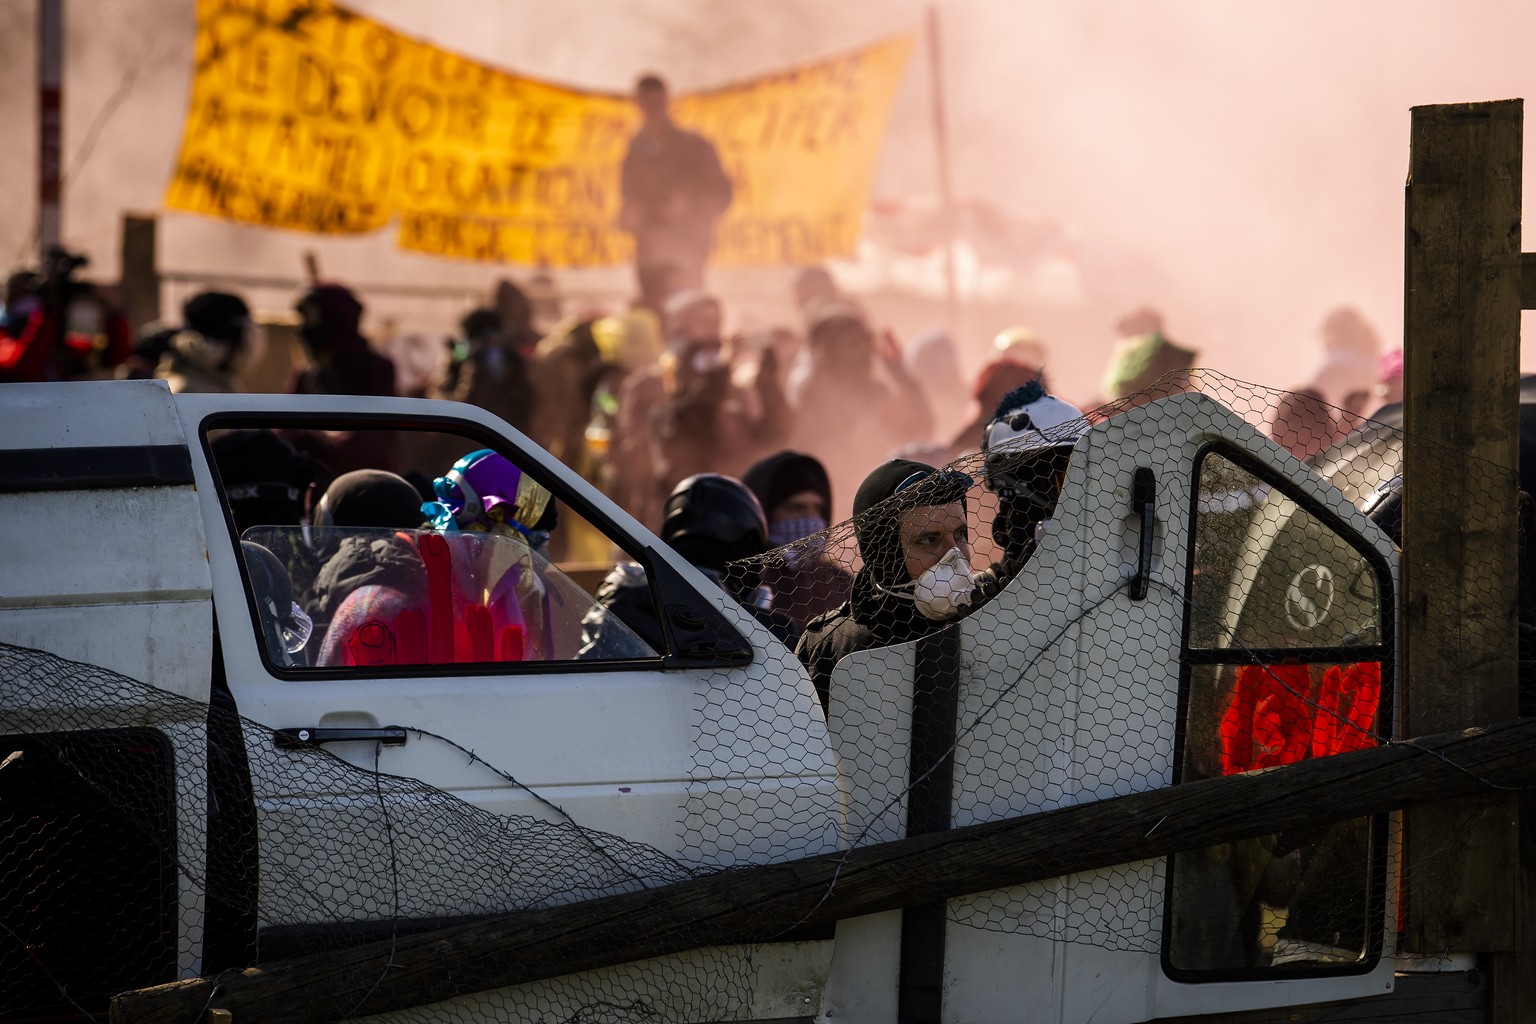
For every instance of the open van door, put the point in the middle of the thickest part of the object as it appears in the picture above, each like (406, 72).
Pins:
(1241, 618)
(490, 688)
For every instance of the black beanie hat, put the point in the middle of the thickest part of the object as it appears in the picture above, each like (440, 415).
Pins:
(372, 497)
(782, 475)
(875, 519)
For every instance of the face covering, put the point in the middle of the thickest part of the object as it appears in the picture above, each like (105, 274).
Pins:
(801, 538)
(943, 590)
(787, 531)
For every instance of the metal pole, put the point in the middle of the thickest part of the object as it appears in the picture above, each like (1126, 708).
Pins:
(946, 192)
(50, 119)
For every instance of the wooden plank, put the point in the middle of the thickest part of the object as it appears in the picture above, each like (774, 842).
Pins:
(139, 276)
(760, 903)
(1461, 391)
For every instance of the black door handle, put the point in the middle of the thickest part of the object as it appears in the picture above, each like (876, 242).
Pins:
(1144, 505)
(307, 736)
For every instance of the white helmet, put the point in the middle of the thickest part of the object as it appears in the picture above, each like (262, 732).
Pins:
(1029, 423)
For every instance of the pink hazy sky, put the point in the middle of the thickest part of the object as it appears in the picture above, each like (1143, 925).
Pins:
(1254, 152)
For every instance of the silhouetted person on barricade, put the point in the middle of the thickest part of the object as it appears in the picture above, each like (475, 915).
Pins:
(673, 188)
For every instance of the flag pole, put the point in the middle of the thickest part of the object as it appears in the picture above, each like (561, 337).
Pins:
(946, 191)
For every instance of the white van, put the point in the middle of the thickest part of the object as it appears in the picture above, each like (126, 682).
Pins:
(147, 834)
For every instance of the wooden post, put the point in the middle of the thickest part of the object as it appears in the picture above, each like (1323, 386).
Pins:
(50, 124)
(139, 283)
(1461, 341)
(763, 903)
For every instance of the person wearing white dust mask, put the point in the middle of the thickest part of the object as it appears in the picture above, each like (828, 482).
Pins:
(910, 524)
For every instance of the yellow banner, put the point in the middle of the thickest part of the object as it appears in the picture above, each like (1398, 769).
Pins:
(309, 117)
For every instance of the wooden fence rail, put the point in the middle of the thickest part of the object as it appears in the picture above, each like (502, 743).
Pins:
(760, 903)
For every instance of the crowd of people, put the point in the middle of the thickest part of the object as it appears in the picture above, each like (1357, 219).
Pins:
(727, 445)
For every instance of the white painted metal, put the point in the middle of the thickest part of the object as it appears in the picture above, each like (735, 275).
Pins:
(130, 592)
(1046, 724)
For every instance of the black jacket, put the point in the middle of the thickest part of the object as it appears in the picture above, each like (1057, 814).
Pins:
(870, 618)
(625, 595)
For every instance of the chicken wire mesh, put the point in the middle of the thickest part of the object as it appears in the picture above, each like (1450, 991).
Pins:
(1155, 594)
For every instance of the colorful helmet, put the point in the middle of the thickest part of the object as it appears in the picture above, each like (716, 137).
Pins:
(484, 490)
(1028, 424)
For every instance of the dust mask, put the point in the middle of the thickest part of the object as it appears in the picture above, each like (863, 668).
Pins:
(941, 591)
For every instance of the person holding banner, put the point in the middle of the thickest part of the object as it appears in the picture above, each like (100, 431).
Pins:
(673, 187)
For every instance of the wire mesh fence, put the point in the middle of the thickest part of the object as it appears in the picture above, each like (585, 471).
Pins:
(1171, 589)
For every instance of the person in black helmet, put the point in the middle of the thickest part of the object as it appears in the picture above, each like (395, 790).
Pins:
(285, 627)
(910, 523)
(713, 521)
(1027, 446)
(353, 528)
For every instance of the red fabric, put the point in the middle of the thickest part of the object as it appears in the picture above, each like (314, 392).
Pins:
(444, 626)
(27, 359)
(1346, 709)
(1272, 719)
(1269, 721)
(24, 359)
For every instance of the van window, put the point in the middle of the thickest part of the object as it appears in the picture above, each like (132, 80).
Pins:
(1287, 657)
(368, 549)
(378, 598)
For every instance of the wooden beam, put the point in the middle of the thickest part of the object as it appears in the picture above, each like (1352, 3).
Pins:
(1461, 342)
(761, 903)
(1528, 280)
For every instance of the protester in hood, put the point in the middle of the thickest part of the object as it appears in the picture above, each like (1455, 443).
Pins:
(202, 356)
(485, 369)
(686, 416)
(673, 187)
(910, 524)
(1146, 355)
(353, 530)
(343, 363)
(797, 497)
(515, 310)
(715, 523)
(856, 403)
(1351, 352)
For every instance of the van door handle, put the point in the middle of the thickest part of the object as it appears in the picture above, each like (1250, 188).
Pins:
(313, 736)
(1144, 506)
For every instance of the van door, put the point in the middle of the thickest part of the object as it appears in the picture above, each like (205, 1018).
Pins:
(105, 660)
(1262, 634)
(486, 686)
